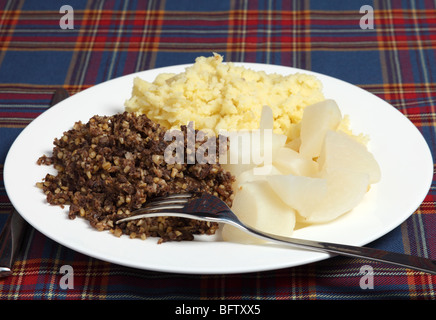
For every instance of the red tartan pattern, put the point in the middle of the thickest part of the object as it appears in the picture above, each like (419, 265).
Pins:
(108, 42)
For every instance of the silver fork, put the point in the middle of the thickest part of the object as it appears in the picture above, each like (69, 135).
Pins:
(207, 207)
(11, 237)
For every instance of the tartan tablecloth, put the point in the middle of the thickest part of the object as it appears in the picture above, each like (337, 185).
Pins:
(392, 56)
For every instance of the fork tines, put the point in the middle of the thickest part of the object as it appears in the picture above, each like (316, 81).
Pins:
(160, 205)
(172, 201)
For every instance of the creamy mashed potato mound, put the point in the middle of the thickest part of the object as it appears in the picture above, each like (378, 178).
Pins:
(224, 96)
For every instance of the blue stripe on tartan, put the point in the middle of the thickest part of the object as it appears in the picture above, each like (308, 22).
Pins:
(359, 67)
(33, 5)
(401, 73)
(393, 241)
(7, 137)
(36, 67)
(340, 5)
(196, 5)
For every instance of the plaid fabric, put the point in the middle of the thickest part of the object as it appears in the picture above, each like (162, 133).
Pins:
(395, 60)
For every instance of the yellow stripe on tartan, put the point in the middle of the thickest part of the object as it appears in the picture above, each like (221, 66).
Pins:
(144, 44)
(427, 207)
(41, 88)
(13, 16)
(90, 20)
(153, 31)
(84, 58)
(183, 46)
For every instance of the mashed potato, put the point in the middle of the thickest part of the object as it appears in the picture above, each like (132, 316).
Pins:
(223, 96)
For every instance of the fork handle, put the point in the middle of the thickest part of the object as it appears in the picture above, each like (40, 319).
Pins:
(400, 259)
(11, 238)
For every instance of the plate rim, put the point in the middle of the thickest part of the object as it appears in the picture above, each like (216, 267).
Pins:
(316, 256)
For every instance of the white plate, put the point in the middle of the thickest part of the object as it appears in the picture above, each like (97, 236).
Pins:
(404, 157)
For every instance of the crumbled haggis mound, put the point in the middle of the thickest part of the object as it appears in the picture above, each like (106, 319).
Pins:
(112, 165)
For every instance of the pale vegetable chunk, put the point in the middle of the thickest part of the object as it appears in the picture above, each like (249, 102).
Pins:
(289, 161)
(345, 190)
(319, 200)
(299, 192)
(317, 120)
(238, 156)
(321, 175)
(341, 151)
(252, 175)
(255, 148)
(258, 206)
